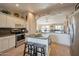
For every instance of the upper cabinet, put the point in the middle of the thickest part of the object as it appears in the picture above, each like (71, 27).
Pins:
(20, 23)
(23, 23)
(3, 20)
(8, 21)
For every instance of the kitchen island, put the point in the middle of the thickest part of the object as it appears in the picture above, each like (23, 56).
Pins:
(50, 38)
(40, 40)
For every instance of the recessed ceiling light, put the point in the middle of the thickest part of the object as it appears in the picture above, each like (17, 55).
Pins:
(17, 5)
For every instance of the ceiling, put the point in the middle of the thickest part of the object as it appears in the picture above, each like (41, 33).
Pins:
(40, 8)
(66, 8)
(32, 7)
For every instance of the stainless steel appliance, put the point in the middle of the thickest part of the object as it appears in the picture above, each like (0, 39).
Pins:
(74, 32)
(19, 35)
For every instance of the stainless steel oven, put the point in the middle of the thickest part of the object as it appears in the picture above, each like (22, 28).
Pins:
(19, 35)
(20, 38)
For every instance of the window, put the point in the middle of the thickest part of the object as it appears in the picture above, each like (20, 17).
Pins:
(45, 28)
(59, 27)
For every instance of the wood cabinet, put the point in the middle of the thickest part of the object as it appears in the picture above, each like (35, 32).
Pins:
(2, 20)
(7, 42)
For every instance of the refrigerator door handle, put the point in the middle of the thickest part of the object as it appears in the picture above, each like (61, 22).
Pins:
(73, 33)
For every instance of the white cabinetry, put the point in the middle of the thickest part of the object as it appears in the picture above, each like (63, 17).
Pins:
(10, 21)
(20, 23)
(61, 39)
(4, 43)
(2, 20)
(23, 23)
(11, 41)
(0, 45)
(7, 42)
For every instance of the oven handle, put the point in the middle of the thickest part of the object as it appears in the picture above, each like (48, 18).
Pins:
(20, 34)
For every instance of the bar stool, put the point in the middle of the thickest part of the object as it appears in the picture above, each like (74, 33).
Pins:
(42, 47)
(33, 49)
(30, 47)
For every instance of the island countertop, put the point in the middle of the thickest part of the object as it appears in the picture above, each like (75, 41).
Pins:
(39, 39)
(36, 36)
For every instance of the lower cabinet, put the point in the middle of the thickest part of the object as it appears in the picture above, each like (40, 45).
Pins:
(0, 44)
(4, 43)
(11, 41)
(7, 42)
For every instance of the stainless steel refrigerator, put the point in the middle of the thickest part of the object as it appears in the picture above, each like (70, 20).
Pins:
(74, 33)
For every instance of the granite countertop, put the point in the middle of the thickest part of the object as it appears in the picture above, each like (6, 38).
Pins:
(35, 36)
(38, 37)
